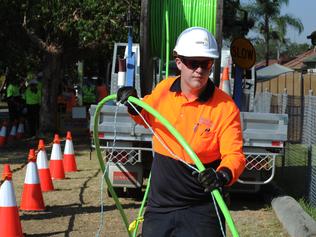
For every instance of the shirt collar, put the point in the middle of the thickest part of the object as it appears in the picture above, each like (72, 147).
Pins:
(205, 95)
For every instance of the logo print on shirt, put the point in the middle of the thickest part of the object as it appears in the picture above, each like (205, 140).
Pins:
(206, 122)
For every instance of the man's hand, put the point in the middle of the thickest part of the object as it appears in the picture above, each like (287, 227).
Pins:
(122, 96)
(211, 179)
(124, 92)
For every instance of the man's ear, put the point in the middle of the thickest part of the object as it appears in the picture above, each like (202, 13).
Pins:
(179, 63)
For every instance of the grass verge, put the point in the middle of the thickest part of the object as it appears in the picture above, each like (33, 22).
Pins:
(308, 208)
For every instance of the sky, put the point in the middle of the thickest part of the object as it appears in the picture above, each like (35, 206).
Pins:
(305, 10)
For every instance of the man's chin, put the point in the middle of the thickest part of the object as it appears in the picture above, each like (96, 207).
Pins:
(197, 84)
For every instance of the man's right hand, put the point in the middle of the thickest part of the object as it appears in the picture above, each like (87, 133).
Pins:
(122, 95)
(124, 92)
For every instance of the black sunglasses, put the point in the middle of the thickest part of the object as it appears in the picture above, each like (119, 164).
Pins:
(194, 64)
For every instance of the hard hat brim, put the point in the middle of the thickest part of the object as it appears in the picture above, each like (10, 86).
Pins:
(198, 53)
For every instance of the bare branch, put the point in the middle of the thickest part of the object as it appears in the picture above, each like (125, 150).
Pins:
(39, 43)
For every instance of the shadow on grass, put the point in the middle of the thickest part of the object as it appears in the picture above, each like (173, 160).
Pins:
(247, 201)
(69, 210)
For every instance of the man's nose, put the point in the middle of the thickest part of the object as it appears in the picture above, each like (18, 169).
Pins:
(199, 69)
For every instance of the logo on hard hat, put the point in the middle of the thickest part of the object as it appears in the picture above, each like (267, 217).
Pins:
(204, 42)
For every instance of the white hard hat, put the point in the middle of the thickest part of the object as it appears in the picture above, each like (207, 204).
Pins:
(196, 42)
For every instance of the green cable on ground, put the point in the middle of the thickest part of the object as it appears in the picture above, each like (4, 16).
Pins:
(183, 143)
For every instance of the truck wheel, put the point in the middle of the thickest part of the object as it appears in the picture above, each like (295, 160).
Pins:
(138, 194)
(117, 190)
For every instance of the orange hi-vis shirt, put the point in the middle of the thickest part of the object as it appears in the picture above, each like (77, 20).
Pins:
(210, 125)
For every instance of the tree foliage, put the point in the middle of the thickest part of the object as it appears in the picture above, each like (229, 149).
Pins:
(270, 24)
(55, 34)
(235, 20)
(294, 49)
(75, 28)
(288, 51)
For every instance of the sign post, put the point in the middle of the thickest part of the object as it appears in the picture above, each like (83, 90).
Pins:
(244, 56)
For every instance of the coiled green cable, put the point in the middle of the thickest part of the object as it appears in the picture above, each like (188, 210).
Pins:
(181, 15)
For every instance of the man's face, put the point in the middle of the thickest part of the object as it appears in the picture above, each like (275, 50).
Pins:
(194, 72)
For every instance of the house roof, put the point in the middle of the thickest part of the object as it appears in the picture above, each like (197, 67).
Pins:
(298, 61)
(271, 71)
(310, 59)
(262, 64)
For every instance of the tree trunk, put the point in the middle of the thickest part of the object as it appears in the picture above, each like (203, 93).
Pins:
(267, 31)
(52, 77)
(219, 36)
(146, 62)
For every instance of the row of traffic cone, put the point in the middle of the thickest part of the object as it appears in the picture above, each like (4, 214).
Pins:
(38, 179)
(16, 132)
(60, 164)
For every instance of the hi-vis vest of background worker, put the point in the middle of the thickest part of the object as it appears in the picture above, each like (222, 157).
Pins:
(89, 94)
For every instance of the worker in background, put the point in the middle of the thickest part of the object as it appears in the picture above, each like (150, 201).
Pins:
(39, 79)
(180, 202)
(89, 92)
(71, 100)
(101, 89)
(33, 97)
(23, 86)
(13, 97)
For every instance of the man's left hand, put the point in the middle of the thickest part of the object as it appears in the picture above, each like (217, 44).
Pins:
(211, 179)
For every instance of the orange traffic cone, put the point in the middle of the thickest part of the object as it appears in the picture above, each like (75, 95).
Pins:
(20, 131)
(225, 84)
(43, 170)
(12, 135)
(56, 165)
(3, 134)
(32, 197)
(10, 224)
(69, 155)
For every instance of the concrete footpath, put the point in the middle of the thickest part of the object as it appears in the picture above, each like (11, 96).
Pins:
(292, 216)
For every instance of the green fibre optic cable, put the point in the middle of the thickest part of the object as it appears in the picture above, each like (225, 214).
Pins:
(179, 138)
(162, 43)
(167, 38)
(181, 15)
(142, 207)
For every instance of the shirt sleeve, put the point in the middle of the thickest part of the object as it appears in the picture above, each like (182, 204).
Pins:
(153, 100)
(231, 144)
